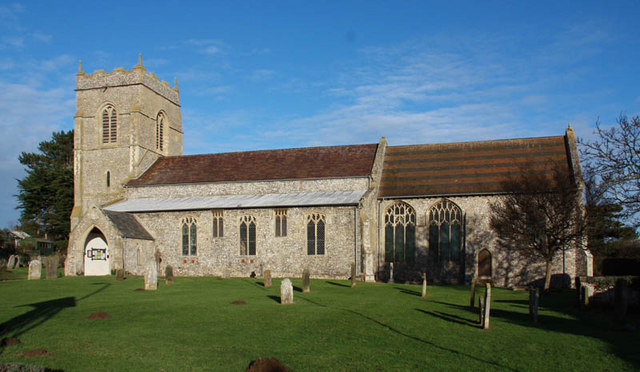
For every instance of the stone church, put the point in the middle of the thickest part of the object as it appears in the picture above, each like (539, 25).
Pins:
(416, 208)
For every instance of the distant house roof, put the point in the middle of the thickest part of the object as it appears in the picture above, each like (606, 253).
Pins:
(297, 199)
(466, 168)
(300, 163)
(19, 234)
(128, 225)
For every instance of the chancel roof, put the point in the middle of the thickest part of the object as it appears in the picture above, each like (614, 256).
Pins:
(467, 168)
(299, 163)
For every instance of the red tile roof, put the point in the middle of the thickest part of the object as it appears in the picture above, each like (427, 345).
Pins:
(300, 163)
(466, 168)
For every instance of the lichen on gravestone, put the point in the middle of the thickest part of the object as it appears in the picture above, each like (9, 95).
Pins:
(151, 276)
(424, 285)
(168, 274)
(286, 292)
(305, 281)
(119, 275)
(35, 270)
(267, 278)
(51, 266)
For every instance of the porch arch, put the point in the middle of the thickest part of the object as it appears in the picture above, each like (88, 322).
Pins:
(96, 254)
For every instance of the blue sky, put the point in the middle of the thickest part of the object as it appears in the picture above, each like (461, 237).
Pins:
(272, 74)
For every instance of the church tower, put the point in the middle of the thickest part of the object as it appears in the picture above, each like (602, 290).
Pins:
(124, 121)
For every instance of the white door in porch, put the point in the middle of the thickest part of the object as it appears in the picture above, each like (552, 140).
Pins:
(96, 257)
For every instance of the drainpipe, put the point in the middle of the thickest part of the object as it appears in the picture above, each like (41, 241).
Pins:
(355, 249)
(379, 235)
(124, 253)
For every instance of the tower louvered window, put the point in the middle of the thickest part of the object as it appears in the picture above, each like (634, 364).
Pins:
(248, 236)
(445, 231)
(400, 233)
(109, 125)
(160, 132)
(315, 235)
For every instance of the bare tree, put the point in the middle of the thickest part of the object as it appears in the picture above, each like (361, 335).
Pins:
(540, 214)
(615, 157)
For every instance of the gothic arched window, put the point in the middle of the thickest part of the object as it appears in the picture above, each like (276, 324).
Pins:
(189, 237)
(160, 132)
(315, 235)
(109, 125)
(248, 236)
(445, 231)
(400, 233)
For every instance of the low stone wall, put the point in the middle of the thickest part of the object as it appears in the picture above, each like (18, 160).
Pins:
(600, 290)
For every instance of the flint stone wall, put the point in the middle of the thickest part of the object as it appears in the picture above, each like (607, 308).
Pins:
(509, 268)
(284, 256)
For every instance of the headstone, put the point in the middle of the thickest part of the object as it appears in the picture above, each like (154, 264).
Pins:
(305, 281)
(621, 300)
(168, 274)
(481, 307)
(35, 270)
(51, 266)
(11, 262)
(424, 285)
(17, 262)
(119, 275)
(267, 278)
(286, 292)
(487, 307)
(226, 274)
(353, 275)
(391, 272)
(578, 291)
(534, 299)
(472, 300)
(151, 276)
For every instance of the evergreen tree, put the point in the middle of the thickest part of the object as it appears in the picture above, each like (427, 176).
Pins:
(45, 194)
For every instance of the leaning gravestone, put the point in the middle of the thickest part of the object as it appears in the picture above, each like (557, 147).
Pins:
(51, 266)
(11, 262)
(120, 275)
(486, 314)
(305, 281)
(391, 272)
(168, 274)
(151, 276)
(286, 292)
(267, 278)
(534, 299)
(35, 270)
(472, 299)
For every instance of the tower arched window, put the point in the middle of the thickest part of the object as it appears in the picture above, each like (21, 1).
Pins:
(160, 121)
(445, 231)
(109, 125)
(400, 233)
(189, 237)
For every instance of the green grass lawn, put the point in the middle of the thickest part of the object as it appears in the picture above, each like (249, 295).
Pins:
(192, 325)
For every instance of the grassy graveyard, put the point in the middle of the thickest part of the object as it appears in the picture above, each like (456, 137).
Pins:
(98, 323)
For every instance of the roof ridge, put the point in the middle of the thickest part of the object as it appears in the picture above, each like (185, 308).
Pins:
(482, 142)
(270, 150)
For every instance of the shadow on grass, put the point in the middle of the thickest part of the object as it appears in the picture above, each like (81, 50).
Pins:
(408, 291)
(583, 322)
(338, 284)
(275, 298)
(416, 338)
(41, 313)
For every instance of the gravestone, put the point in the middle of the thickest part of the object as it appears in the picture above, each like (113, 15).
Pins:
(424, 285)
(621, 300)
(487, 307)
(391, 272)
(168, 274)
(286, 292)
(151, 276)
(35, 270)
(353, 275)
(11, 262)
(305, 281)
(472, 299)
(51, 266)
(481, 307)
(17, 262)
(534, 299)
(120, 275)
(267, 278)
(226, 274)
